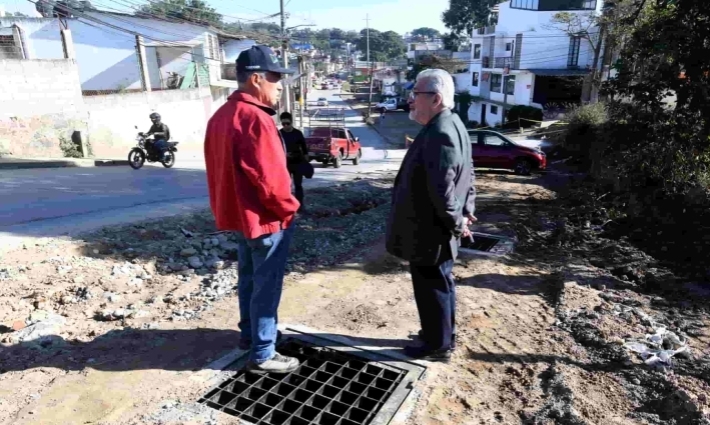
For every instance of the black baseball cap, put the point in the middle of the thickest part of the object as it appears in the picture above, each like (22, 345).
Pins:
(260, 58)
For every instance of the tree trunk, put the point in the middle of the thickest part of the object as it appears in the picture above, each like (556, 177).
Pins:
(592, 89)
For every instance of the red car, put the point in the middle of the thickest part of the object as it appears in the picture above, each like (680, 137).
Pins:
(333, 145)
(493, 150)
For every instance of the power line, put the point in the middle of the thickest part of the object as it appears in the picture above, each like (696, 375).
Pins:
(135, 33)
(138, 6)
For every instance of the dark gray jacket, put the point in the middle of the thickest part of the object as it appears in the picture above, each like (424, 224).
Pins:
(433, 192)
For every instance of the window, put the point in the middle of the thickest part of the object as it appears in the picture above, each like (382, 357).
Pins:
(494, 110)
(474, 80)
(508, 47)
(496, 82)
(477, 51)
(493, 139)
(524, 4)
(8, 48)
(510, 84)
(573, 55)
(549, 5)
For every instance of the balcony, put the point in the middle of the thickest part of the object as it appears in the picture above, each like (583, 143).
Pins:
(503, 62)
(486, 30)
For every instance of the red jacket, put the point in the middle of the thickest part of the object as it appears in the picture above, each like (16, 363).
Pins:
(249, 185)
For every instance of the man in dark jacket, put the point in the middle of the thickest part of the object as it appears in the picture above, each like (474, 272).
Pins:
(296, 150)
(432, 207)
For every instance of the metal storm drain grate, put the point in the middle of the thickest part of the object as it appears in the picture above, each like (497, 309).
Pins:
(329, 388)
(485, 244)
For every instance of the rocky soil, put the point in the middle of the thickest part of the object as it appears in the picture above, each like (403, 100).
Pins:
(112, 328)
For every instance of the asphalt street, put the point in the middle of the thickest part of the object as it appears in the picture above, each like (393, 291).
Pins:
(51, 202)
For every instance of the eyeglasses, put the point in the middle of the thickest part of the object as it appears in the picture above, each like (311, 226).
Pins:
(285, 123)
(414, 94)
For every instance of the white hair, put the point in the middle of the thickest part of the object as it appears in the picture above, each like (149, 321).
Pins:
(439, 81)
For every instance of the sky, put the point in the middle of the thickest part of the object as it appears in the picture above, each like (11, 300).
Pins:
(385, 15)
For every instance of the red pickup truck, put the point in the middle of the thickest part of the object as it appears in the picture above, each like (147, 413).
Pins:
(331, 145)
(329, 141)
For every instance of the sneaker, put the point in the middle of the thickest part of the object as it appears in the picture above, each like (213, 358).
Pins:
(277, 364)
(453, 339)
(246, 344)
(426, 353)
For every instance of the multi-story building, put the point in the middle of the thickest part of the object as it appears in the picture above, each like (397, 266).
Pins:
(415, 49)
(526, 59)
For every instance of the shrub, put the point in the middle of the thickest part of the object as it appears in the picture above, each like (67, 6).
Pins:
(519, 115)
(69, 148)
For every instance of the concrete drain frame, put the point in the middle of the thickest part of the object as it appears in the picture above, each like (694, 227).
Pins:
(488, 245)
(338, 383)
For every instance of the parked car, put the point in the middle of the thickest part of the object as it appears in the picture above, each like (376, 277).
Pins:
(322, 101)
(393, 104)
(332, 145)
(491, 149)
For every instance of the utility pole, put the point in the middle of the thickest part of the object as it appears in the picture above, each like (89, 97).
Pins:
(367, 20)
(284, 58)
(370, 65)
(372, 85)
(302, 83)
(506, 72)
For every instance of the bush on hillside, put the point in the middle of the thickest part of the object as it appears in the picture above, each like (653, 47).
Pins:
(523, 116)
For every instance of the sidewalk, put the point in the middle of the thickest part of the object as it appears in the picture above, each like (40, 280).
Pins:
(25, 163)
(393, 129)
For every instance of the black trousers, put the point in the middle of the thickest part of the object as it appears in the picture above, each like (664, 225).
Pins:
(435, 294)
(297, 178)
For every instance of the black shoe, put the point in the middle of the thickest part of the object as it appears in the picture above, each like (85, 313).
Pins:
(426, 353)
(246, 345)
(453, 339)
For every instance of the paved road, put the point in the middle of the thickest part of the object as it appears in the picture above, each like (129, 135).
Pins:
(51, 202)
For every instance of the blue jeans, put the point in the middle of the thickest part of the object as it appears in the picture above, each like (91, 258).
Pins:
(262, 263)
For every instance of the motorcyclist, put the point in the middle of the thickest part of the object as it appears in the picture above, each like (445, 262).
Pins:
(161, 134)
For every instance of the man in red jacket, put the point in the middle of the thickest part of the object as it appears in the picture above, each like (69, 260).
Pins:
(250, 195)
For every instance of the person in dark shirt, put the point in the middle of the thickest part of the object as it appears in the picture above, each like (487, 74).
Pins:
(297, 152)
(161, 134)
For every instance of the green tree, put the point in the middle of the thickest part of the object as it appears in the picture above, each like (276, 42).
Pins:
(384, 46)
(434, 62)
(351, 36)
(196, 11)
(337, 34)
(426, 33)
(463, 16)
(452, 41)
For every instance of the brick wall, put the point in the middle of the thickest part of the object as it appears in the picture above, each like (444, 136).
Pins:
(35, 87)
(40, 102)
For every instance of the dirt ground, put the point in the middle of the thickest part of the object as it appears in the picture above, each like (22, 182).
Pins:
(112, 328)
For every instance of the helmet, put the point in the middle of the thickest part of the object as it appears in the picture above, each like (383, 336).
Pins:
(155, 115)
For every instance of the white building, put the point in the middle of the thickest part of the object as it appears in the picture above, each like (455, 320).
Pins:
(418, 48)
(105, 48)
(543, 64)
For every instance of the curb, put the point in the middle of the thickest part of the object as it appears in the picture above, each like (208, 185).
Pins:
(24, 164)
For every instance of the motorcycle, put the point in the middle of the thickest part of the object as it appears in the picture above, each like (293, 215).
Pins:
(146, 152)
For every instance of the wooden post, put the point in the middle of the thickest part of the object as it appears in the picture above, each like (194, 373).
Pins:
(142, 63)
